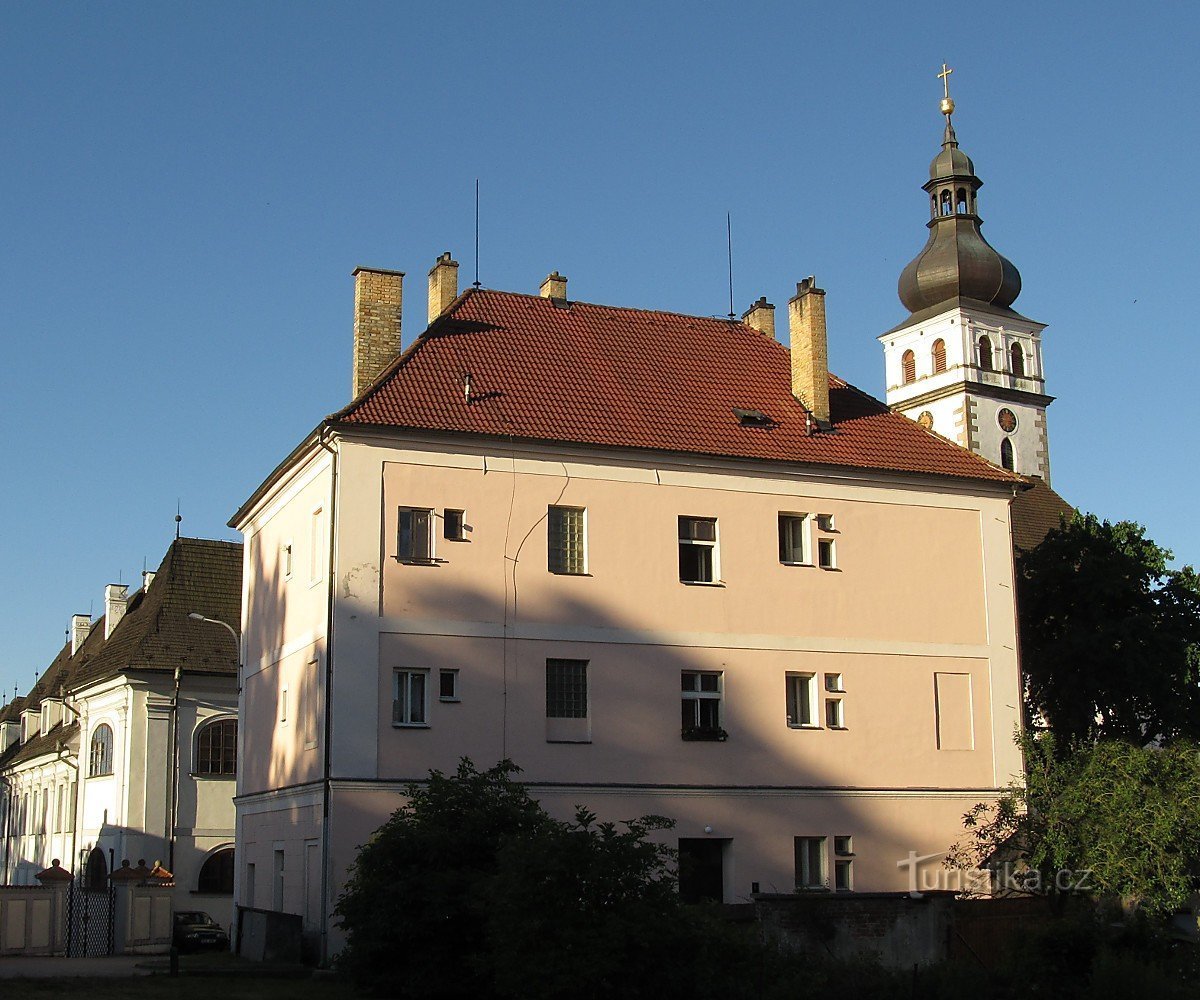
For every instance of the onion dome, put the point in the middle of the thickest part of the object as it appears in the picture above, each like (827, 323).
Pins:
(956, 262)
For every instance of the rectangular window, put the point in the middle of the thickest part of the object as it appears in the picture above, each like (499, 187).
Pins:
(60, 809)
(414, 535)
(825, 554)
(566, 540)
(802, 700)
(843, 866)
(283, 706)
(409, 699)
(701, 704)
(835, 714)
(793, 539)
(697, 549)
(310, 704)
(454, 525)
(448, 685)
(810, 864)
(833, 682)
(825, 522)
(316, 546)
(286, 556)
(566, 689)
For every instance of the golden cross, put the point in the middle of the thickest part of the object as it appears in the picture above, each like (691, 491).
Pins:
(944, 76)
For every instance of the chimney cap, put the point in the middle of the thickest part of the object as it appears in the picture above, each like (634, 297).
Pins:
(444, 260)
(807, 287)
(375, 270)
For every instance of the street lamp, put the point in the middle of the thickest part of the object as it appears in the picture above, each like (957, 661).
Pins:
(237, 639)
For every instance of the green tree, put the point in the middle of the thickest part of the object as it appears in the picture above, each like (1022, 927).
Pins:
(1110, 635)
(413, 911)
(472, 889)
(1109, 818)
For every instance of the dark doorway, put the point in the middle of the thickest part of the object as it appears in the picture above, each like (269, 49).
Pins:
(96, 873)
(701, 869)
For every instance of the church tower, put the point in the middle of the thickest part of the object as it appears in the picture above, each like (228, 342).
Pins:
(965, 364)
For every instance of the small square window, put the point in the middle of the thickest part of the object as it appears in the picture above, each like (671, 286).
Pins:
(833, 682)
(698, 549)
(566, 540)
(835, 716)
(843, 846)
(454, 525)
(843, 875)
(825, 554)
(409, 706)
(414, 543)
(825, 523)
(793, 539)
(802, 700)
(448, 685)
(286, 556)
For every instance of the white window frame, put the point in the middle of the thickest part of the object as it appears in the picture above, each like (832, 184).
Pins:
(806, 879)
(430, 536)
(835, 713)
(283, 705)
(806, 681)
(561, 560)
(714, 544)
(454, 695)
(287, 555)
(826, 553)
(696, 695)
(796, 522)
(846, 866)
(826, 523)
(403, 700)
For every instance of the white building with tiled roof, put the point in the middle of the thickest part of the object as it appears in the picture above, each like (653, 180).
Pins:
(126, 748)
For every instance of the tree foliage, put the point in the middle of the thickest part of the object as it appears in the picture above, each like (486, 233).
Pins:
(1108, 818)
(1110, 635)
(472, 889)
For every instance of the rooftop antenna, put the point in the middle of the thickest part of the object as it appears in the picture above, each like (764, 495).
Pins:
(178, 518)
(476, 283)
(729, 248)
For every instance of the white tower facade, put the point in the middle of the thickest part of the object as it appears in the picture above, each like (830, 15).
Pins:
(964, 364)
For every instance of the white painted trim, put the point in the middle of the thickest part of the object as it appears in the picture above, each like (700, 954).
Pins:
(653, 637)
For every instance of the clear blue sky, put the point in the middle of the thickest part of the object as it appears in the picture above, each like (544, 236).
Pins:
(186, 189)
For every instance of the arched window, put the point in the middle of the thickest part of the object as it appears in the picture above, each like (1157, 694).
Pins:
(939, 356)
(216, 875)
(1018, 360)
(908, 363)
(947, 209)
(961, 202)
(1006, 454)
(985, 354)
(95, 875)
(101, 759)
(216, 748)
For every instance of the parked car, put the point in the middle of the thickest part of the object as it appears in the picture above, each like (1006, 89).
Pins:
(195, 929)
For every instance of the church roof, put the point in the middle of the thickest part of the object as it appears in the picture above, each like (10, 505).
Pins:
(580, 373)
(1036, 511)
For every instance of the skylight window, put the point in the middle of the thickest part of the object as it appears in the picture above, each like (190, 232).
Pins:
(752, 418)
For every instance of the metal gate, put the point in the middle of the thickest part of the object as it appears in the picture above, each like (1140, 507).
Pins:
(90, 917)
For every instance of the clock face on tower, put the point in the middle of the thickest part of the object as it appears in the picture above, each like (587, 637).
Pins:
(1007, 420)
(926, 420)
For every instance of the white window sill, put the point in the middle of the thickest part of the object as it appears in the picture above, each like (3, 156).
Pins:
(804, 725)
(565, 572)
(410, 725)
(702, 583)
(785, 562)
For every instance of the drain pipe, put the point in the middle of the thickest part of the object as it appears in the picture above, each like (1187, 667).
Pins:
(326, 771)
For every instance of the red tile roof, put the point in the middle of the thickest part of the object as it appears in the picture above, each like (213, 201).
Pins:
(633, 378)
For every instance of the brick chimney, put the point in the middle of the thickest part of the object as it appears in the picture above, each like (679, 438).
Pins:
(116, 599)
(761, 317)
(377, 301)
(81, 626)
(810, 352)
(443, 285)
(554, 287)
